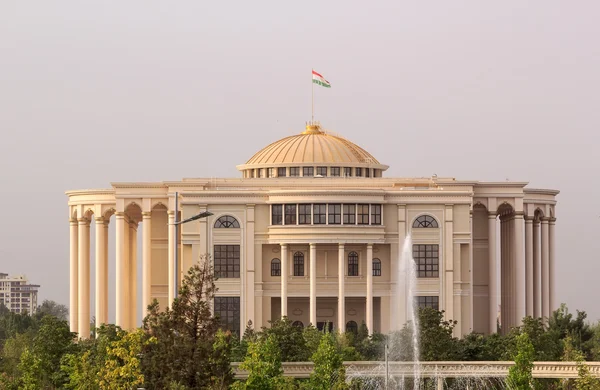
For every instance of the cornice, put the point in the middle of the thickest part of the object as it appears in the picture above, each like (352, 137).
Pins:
(91, 191)
(541, 191)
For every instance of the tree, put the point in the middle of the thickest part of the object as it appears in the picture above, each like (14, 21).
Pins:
(327, 365)
(122, 369)
(561, 324)
(290, 340)
(585, 380)
(519, 375)
(52, 308)
(436, 342)
(221, 362)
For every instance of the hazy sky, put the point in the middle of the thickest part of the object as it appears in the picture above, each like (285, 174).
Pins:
(100, 92)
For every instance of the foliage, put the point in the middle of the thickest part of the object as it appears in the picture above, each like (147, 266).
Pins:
(327, 362)
(585, 380)
(435, 336)
(519, 375)
(239, 349)
(562, 323)
(220, 362)
(52, 308)
(290, 339)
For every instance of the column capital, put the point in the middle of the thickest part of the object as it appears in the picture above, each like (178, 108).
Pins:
(552, 221)
(99, 220)
(369, 245)
(519, 214)
(529, 219)
(312, 245)
(170, 213)
(120, 214)
(341, 245)
(73, 221)
(146, 214)
(545, 220)
(83, 221)
(492, 215)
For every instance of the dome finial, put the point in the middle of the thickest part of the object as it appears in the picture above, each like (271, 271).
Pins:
(313, 128)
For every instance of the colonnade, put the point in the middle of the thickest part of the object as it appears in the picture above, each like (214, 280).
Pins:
(527, 266)
(285, 274)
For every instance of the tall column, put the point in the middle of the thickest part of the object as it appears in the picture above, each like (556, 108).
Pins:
(285, 271)
(551, 265)
(519, 263)
(146, 261)
(120, 270)
(537, 266)
(84, 279)
(369, 311)
(171, 251)
(529, 265)
(341, 293)
(503, 276)
(545, 269)
(73, 277)
(313, 284)
(448, 251)
(101, 273)
(133, 275)
(492, 272)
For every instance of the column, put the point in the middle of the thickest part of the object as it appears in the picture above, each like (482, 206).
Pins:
(146, 261)
(171, 250)
(448, 251)
(537, 265)
(73, 277)
(101, 273)
(120, 271)
(519, 263)
(529, 265)
(551, 265)
(492, 272)
(285, 271)
(545, 269)
(369, 311)
(84, 279)
(248, 293)
(132, 275)
(313, 284)
(503, 276)
(341, 293)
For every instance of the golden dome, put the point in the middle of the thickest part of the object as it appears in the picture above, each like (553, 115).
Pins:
(312, 146)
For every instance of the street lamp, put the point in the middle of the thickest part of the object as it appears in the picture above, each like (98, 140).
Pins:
(203, 214)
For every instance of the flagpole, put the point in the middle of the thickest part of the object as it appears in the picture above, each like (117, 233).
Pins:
(313, 96)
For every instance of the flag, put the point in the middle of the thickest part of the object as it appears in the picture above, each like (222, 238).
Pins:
(318, 79)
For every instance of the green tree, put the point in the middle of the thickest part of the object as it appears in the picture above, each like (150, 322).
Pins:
(239, 349)
(289, 338)
(562, 323)
(52, 308)
(327, 366)
(221, 362)
(585, 380)
(11, 354)
(436, 342)
(519, 375)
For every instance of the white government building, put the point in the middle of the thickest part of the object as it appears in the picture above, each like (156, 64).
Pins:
(313, 230)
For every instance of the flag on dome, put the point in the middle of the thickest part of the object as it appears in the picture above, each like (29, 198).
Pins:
(318, 79)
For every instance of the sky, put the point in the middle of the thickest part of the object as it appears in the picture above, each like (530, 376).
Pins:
(105, 91)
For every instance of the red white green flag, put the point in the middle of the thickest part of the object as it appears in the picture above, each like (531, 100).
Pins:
(318, 79)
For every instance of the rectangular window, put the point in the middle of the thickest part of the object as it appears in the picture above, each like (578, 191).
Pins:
(294, 171)
(349, 214)
(347, 172)
(428, 301)
(227, 261)
(227, 310)
(375, 214)
(322, 171)
(271, 172)
(363, 214)
(335, 171)
(290, 214)
(259, 172)
(308, 171)
(368, 172)
(358, 172)
(335, 214)
(276, 214)
(426, 260)
(319, 214)
(281, 172)
(304, 214)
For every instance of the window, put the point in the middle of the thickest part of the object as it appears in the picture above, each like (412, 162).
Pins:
(227, 261)
(259, 172)
(427, 260)
(270, 172)
(349, 214)
(428, 301)
(353, 264)
(275, 267)
(352, 326)
(376, 172)
(376, 267)
(281, 172)
(304, 217)
(276, 214)
(425, 221)
(363, 214)
(308, 171)
(290, 214)
(298, 264)
(294, 171)
(319, 214)
(335, 171)
(358, 172)
(347, 171)
(227, 310)
(367, 172)
(298, 324)
(227, 221)
(375, 214)
(322, 171)
(325, 326)
(335, 214)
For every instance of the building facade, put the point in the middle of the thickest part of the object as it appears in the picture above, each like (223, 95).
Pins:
(18, 295)
(313, 230)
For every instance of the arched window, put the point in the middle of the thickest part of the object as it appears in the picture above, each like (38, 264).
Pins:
(425, 221)
(351, 326)
(298, 264)
(275, 267)
(298, 324)
(353, 264)
(227, 221)
(376, 267)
